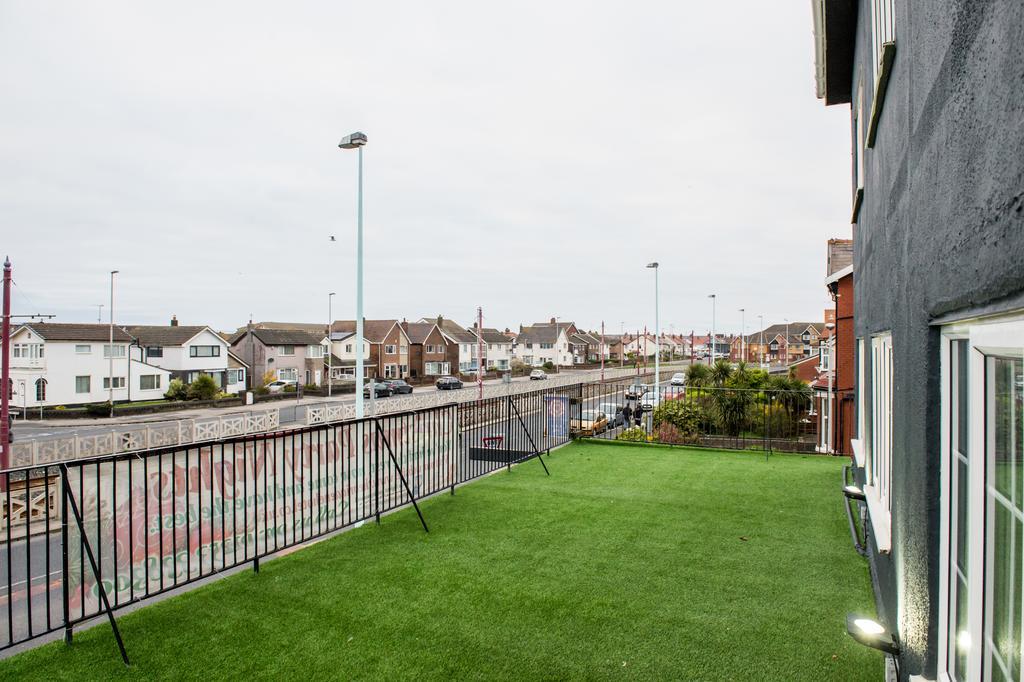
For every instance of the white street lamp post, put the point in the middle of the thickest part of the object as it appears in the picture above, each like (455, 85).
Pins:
(657, 332)
(358, 141)
(110, 350)
(743, 334)
(714, 298)
(330, 344)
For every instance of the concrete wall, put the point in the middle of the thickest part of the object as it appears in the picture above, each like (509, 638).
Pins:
(941, 229)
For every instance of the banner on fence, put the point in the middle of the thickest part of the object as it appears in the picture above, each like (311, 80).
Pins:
(556, 408)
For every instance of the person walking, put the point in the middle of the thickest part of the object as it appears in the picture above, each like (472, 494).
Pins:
(627, 416)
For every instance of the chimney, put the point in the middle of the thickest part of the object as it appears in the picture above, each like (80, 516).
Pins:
(440, 320)
(552, 320)
(174, 320)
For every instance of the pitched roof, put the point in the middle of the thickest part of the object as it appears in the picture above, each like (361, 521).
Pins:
(71, 331)
(374, 331)
(312, 327)
(418, 331)
(544, 333)
(164, 335)
(456, 332)
(494, 336)
(795, 330)
(282, 337)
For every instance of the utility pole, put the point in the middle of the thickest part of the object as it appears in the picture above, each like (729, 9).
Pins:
(330, 344)
(110, 378)
(480, 352)
(760, 322)
(99, 313)
(714, 300)
(602, 350)
(5, 373)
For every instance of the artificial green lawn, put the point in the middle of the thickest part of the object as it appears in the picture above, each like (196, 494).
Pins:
(634, 562)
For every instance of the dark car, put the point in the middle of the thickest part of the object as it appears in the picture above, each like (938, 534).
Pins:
(398, 386)
(380, 390)
(447, 383)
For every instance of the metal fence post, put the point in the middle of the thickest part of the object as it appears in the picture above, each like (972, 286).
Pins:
(376, 473)
(66, 597)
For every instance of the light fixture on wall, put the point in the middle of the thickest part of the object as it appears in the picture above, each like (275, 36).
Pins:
(871, 633)
(853, 492)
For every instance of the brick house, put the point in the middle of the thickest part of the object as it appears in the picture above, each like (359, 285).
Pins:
(431, 353)
(291, 354)
(389, 346)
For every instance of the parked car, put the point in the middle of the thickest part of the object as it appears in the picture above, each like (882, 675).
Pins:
(281, 384)
(380, 390)
(678, 379)
(398, 386)
(636, 390)
(649, 401)
(448, 383)
(538, 374)
(614, 413)
(589, 423)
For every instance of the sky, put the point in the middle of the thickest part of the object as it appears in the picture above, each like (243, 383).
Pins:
(529, 158)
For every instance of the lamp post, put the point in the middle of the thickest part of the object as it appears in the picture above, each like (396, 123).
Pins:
(760, 324)
(657, 331)
(557, 360)
(330, 344)
(831, 371)
(110, 350)
(99, 313)
(713, 298)
(358, 141)
(786, 359)
(743, 334)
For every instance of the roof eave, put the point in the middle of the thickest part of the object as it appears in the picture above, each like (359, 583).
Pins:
(835, 25)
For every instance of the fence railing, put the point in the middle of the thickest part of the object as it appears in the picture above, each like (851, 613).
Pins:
(733, 418)
(119, 529)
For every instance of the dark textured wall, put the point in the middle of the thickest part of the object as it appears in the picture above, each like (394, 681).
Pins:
(941, 229)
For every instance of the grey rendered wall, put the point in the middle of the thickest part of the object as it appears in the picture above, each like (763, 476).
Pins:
(941, 229)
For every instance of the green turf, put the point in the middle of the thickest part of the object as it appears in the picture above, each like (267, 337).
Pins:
(628, 562)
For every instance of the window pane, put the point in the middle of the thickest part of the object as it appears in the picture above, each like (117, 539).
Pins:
(1006, 595)
(961, 636)
(961, 515)
(961, 397)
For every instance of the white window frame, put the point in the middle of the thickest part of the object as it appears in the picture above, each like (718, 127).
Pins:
(1003, 335)
(281, 350)
(860, 444)
(80, 346)
(390, 349)
(288, 373)
(156, 382)
(119, 383)
(88, 384)
(118, 351)
(390, 371)
(878, 467)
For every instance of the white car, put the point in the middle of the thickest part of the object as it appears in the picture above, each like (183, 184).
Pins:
(649, 401)
(678, 379)
(281, 384)
(538, 374)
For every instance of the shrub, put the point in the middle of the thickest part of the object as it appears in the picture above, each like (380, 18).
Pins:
(667, 433)
(684, 417)
(633, 435)
(176, 390)
(290, 388)
(98, 409)
(60, 408)
(549, 365)
(203, 388)
(310, 387)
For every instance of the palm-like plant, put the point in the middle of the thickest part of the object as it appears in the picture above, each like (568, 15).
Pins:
(720, 372)
(698, 376)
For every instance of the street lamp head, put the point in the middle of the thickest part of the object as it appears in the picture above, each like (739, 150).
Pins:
(653, 265)
(331, 294)
(830, 325)
(114, 272)
(353, 141)
(712, 295)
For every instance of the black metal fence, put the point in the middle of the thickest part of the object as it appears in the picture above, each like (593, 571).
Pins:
(87, 537)
(733, 418)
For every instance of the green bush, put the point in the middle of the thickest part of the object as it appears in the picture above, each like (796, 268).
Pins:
(203, 388)
(633, 435)
(290, 388)
(685, 417)
(176, 390)
(98, 409)
(549, 365)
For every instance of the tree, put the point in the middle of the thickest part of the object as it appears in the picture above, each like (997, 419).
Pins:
(720, 372)
(203, 388)
(176, 390)
(684, 417)
(698, 376)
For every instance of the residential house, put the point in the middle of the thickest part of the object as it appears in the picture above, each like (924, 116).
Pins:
(783, 343)
(388, 342)
(69, 364)
(460, 340)
(288, 354)
(431, 353)
(544, 342)
(935, 97)
(188, 351)
(341, 363)
(497, 349)
(836, 356)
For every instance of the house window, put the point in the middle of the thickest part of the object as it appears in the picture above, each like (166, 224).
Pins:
(149, 382)
(547, 346)
(530, 346)
(288, 374)
(286, 350)
(390, 349)
(155, 351)
(118, 383)
(204, 351)
(879, 462)
(83, 384)
(40, 390)
(315, 351)
(862, 396)
(236, 376)
(83, 348)
(27, 351)
(390, 371)
(883, 30)
(982, 590)
(437, 368)
(348, 347)
(118, 351)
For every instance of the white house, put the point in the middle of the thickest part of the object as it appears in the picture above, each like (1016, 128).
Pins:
(343, 362)
(189, 351)
(543, 342)
(70, 364)
(497, 349)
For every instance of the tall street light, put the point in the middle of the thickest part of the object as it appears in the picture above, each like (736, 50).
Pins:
(110, 349)
(713, 298)
(99, 313)
(786, 360)
(330, 345)
(358, 141)
(760, 324)
(743, 333)
(657, 332)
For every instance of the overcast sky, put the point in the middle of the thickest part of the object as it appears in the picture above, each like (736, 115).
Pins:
(529, 158)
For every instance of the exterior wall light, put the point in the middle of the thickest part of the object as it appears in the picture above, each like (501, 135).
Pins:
(871, 633)
(853, 492)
